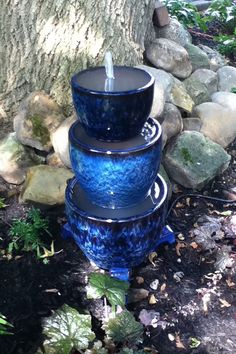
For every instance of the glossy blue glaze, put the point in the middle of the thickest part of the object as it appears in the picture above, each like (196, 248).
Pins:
(116, 242)
(117, 115)
(116, 178)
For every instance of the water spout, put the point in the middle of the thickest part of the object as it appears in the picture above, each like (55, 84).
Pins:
(109, 83)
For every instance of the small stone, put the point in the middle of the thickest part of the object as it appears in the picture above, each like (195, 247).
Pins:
(139, 280)
(181, 237)
(154, 284)
(178, 276)
(137, 295)
(171, 337)
(179, 260)
(160, 16)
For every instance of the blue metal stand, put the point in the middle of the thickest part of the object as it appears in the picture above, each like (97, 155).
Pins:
(167, 236)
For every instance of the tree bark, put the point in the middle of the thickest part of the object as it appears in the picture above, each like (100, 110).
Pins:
(43, 42)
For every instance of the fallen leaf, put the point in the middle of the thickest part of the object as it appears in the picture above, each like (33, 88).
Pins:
(178, 342)
(139, 280)
(163, 287)
(152, 300)
(151, 257)
(194, 245)
(230, 283)
(149, 318)
(179, 246)
(179, 205)
(51, 290)
(224, 303)
(181, 237)
(188, 202)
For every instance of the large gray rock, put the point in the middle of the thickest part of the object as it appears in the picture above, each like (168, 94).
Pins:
(208, 78)
(218, 122)
(172, 122)
(162, 78)
(45, 185)
(192, 160)
(215, 58)
(15, 158)
(174, 31)
(60, 140)
(226, 99)
(192, 123)
(170, 56)
(180, 97)
(37, 117)
(196, 90)
(198, 57)
(227, 78)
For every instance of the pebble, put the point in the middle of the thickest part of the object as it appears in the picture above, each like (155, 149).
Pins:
(178, 276)
(171, 337)
(179, 260)
(181, 237)
(154, 285)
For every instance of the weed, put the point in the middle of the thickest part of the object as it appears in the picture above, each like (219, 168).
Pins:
(4, 325)
(26, 234)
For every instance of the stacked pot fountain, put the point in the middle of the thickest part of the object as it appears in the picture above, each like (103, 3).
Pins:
(116, 202)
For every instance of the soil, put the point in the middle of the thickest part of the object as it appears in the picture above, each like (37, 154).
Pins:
(31, 290)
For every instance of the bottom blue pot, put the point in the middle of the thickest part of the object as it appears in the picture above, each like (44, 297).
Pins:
(116, 238)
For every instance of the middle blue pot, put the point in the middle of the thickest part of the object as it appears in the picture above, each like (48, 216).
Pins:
(116, 175)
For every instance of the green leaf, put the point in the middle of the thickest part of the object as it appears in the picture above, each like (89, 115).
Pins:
(2, 203)
(4, 325)
(194, 343)
(67, 329)
(124, 328)
(105, 285)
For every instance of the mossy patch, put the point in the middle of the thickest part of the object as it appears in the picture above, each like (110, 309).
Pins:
(39, 129)
(186, 155)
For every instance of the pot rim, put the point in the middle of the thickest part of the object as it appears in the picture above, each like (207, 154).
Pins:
(108, 148)
(76, 86)
(159, 202)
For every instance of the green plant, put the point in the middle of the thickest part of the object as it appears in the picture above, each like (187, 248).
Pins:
(26, 234)
(2, 203)
(227, 43)
(66, 329)
(4, 326)
(186, 13)
(112, 289)
(124, 328)
(233, 89)
(223, 11)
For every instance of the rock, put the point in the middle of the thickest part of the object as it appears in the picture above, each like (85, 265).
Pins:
(208, 78)
(192, 160)
(192, 124)
(170, 56)
(225, 99)
(162, 78)
(196, 90)
(215, 58)
(45, 185)
(60, 140)
(198, 57)
(174, 31)
(180, 98)
(227, 78)
(37, 117)
(15, 159)
(218, 122)
(54, 160)
(136, 295)
(160, 16)
(172, 121)
(163, 174)
(201, 5)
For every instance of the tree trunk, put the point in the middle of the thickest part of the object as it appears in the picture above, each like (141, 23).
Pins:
(43, 42)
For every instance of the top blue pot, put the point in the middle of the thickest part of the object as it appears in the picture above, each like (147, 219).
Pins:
(113, 110)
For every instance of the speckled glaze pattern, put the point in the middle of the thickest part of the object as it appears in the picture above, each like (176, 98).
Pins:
(115, 244)
(116, 180)
(113, 117)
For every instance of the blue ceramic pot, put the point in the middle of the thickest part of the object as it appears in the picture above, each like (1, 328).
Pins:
(116, 112)
(116, 175)
(119, 238)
